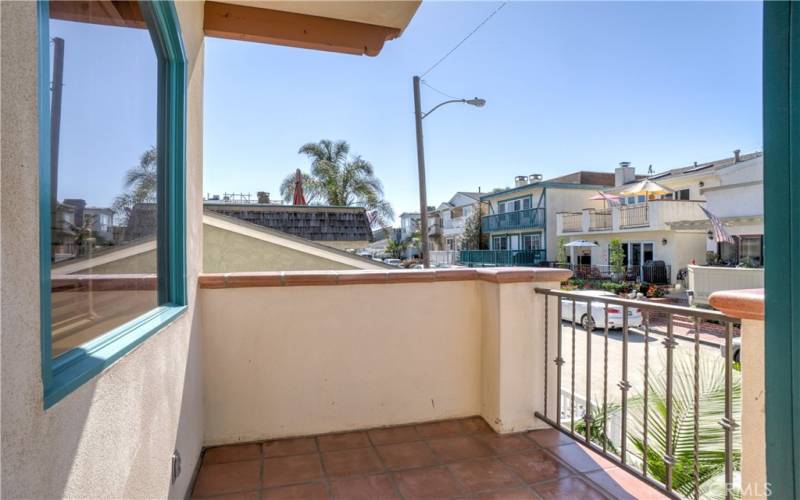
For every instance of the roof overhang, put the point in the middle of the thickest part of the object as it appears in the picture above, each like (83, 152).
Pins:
(705, 224)
(349, 27)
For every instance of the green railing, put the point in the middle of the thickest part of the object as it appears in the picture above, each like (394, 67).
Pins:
(521, 219)
(493, 258)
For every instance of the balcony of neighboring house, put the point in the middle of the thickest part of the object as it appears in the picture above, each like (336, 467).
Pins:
(651, 215)
(531, 218)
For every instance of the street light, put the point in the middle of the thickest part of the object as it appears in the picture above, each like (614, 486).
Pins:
(423, 196)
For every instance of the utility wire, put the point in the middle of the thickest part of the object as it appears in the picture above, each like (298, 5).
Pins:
(439, 91)
(479, 26)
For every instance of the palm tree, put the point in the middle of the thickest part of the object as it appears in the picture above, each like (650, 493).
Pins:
(337, 178)
(711, 435)
(397, 248)
(140, 182)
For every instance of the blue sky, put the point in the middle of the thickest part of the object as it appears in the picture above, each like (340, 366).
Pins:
(568, 86)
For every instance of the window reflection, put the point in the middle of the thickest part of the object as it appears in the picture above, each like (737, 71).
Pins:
(103, 169)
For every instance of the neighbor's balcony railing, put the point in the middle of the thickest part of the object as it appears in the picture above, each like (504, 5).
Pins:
(670, 417)
(572, 223)
(634, 216)
(705, 280)
(493, 258)
(600, 220)
(653, 214)
(521, 219)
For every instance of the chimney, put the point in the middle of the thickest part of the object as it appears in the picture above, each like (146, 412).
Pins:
(736, 158)
(534, 178)
(520, 180)
(624, 173)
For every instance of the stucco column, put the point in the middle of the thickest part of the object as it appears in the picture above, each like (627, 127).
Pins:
(749, 305)
(513, 355)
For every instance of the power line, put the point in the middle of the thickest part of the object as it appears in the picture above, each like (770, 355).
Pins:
(495, 11)
(439, 91)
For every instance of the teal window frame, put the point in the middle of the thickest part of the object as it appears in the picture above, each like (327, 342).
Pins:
(781, 77)
(67, 372)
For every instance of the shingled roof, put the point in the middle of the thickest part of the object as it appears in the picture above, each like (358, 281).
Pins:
(316, 223)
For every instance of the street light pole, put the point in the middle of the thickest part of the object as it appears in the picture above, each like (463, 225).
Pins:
(423, 195)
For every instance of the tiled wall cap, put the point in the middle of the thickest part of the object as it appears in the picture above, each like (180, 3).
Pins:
(745, 304)
(103, 282)
(366, 277)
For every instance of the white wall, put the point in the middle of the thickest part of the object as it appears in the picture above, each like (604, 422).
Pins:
(113, 437)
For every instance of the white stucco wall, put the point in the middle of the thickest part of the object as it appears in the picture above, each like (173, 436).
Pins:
(113, 437)
(307, 360)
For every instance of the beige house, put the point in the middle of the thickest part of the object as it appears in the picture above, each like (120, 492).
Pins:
(669, 229)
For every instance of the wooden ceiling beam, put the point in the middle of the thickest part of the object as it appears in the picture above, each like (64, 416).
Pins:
(105, 12)
(237, 22)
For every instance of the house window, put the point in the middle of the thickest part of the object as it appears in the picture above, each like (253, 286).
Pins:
(500, 243)
(747, 250)
(112, 120)
(531, 241)
(683, 194)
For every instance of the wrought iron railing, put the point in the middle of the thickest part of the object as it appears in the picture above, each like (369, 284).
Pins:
(521, 219)
(634, 216)
(571, 223)
(492, 258)
(670, 465)
(600, 220)
(646, 273)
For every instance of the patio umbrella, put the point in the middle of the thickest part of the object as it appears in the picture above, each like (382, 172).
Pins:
(647, 188)
(298, 199)
(610, 199)
(580, 243)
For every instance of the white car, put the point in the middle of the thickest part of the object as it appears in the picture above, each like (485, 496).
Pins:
(392, 262)
(598, 311)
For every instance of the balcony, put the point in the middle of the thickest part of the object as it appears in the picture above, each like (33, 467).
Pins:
(495, 258)
(572, 223)
(522, 219)
(650, 216)
(508, 389)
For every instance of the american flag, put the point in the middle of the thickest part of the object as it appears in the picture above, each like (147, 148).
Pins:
(721, 235)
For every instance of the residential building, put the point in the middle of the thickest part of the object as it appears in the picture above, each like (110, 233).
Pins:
(338, 227)
(409, 224)
(100, 220)
(520, 221)
(660, 234)
(450, 218)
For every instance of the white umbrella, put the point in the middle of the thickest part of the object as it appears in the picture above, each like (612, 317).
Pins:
(580, 243)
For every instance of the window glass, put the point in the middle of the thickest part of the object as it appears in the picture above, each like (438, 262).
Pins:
(103, 171)
(683, 194)
(526, 204)
(728, 253)
(750, 250)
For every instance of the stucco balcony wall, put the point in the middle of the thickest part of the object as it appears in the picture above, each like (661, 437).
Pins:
(290, 354)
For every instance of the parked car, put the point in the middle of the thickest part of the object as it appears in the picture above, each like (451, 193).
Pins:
(392, 262)
(598, 311)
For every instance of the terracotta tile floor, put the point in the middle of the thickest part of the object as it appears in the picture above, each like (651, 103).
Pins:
(450, 459)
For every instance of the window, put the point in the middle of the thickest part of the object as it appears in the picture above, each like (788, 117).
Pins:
(112, 121)
(531, 241)
(683, 194)
(500, 243)
(751, 250)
